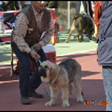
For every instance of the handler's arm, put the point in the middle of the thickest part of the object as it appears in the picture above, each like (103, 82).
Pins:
(20, 32)
(97, 15)
(46, 40)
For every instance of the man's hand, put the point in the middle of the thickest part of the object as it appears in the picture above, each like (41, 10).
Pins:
(37, 47)
(96, 35)
(96, 32)
(34, 55)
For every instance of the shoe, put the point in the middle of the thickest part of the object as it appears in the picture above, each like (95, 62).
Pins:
(16, 72)
(35, 95)
(25, 101)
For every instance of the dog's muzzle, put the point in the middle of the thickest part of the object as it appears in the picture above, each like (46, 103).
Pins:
(42, 72)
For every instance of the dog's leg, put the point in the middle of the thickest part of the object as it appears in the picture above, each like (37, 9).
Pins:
(52, 102)
(68, 39)
(70, 89)
(65, 97)
(80, 33)
(89, 34)
(82, 37)
(77, 82)
(78, 37)
(71, 31)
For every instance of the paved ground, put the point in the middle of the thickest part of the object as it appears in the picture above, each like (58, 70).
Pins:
(61, 49)
(92, 85)
(92, 82)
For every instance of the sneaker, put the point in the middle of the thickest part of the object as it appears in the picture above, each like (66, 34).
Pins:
(35, 95)
(25, 101)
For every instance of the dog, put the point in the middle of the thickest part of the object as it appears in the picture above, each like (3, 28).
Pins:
(62, 77)
(81, 23)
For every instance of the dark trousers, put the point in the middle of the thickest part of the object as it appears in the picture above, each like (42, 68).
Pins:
(87, 4)
(26, 81)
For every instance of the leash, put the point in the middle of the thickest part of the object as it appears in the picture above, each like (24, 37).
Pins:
(38, 62)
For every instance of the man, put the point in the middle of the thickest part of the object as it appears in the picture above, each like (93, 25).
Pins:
(103, 22)
(30, 25)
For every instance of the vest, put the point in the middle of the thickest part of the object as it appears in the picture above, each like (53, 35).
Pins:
(34, 33)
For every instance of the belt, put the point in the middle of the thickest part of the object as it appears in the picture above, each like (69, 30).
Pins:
(105, 67)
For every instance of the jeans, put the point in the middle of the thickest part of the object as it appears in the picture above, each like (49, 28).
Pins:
(107, 75)
(27, 83)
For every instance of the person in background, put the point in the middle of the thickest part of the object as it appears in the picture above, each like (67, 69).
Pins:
(93, 5)
(103, 22)
(84, 6)
(9, 5)
(1, 3)
(25, 3)
(97, 15)
(27, 44)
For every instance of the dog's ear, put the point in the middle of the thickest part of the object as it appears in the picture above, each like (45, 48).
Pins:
(54, 70)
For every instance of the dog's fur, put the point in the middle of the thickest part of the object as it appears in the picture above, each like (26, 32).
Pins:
(62, 77)
(82, 22)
